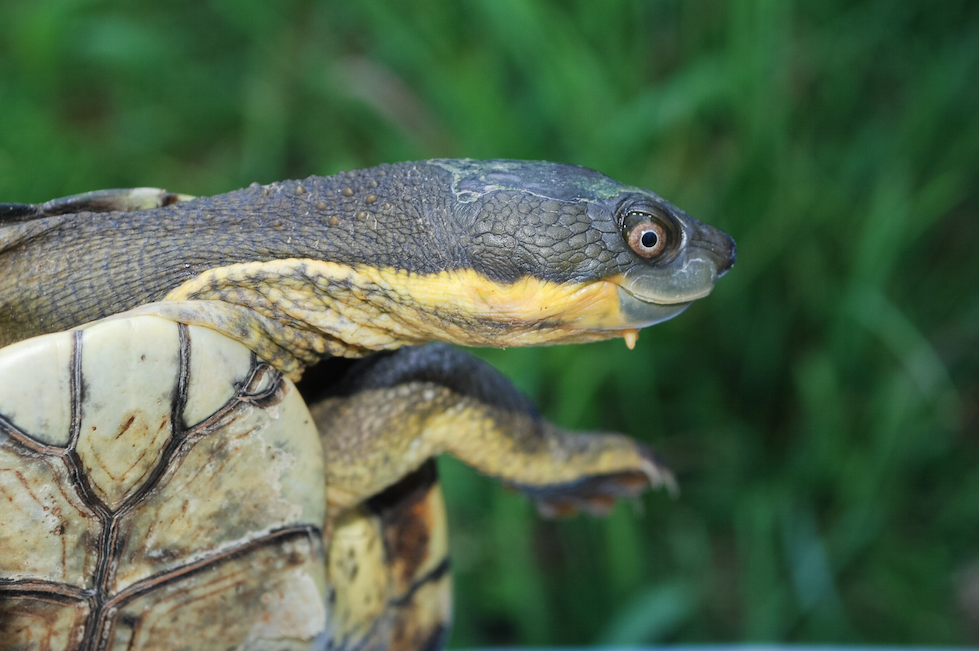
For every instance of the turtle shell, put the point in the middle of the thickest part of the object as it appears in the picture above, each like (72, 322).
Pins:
(161, 486)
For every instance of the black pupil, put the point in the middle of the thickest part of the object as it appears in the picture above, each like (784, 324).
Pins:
(649, 239)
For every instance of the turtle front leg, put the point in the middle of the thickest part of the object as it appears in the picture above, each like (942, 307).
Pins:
(397, 410)
(388, 551)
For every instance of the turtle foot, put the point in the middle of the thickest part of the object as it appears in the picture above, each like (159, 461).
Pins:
(596, 494)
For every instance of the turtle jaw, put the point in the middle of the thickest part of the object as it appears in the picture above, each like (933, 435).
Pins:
(639, 313)
(651, 295)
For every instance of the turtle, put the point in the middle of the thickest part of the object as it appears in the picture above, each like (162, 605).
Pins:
(172, 480)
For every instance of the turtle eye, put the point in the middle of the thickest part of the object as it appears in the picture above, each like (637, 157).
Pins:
(647, 237)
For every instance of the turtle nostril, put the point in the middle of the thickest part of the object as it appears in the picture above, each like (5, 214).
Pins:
(718, 245)
(729, 256)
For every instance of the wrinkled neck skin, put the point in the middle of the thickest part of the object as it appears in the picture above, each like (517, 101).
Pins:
(63, 271)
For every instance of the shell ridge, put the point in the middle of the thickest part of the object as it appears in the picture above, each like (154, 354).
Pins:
(179, 400)
(45, 590)
(169, 451)
(23, 439)
(185, 437)
(76, 387)
(101, 624)
(212, 559)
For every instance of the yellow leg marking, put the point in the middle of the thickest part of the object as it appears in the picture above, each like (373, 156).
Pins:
(515, 448)
(378, 436)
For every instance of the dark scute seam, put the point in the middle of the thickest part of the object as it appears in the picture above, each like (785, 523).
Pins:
(42, 590)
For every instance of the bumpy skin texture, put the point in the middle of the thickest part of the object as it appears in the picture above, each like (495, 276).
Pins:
(501, 219)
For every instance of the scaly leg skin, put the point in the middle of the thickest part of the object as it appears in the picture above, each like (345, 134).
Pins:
(395, 411)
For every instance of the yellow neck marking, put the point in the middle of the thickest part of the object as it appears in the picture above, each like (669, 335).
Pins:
(358, 309)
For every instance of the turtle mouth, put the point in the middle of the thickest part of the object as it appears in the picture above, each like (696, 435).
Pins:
(648, 296)
(639, 312)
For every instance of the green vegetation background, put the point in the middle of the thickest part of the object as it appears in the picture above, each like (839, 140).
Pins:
(820, 409)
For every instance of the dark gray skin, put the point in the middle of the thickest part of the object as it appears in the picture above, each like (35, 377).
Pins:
(503, 219)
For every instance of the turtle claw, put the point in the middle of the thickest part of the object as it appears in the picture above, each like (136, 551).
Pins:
(596, 495)
(599, 507)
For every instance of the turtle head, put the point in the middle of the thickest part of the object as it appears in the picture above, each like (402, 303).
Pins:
(577, 228)
(478, 253)
(675, 258)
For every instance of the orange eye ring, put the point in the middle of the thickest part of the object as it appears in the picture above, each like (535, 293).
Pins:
(648, 239)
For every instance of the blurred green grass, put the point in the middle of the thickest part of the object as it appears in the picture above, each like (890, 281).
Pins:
(821, 408)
